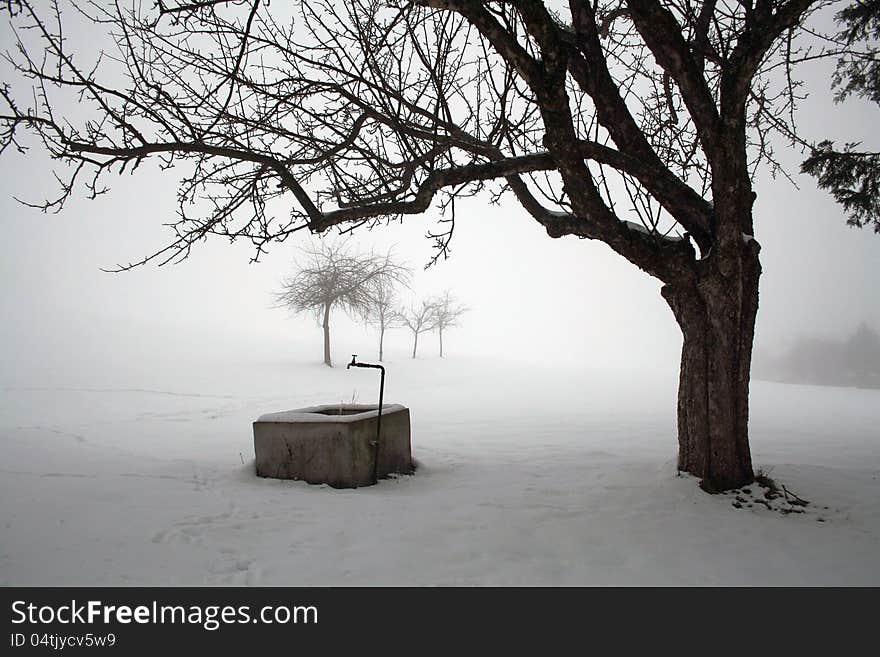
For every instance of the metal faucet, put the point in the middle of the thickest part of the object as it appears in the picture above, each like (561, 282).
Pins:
(354, 363)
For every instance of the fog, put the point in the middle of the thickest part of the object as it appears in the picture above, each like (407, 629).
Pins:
(566, 301)
(545, 439)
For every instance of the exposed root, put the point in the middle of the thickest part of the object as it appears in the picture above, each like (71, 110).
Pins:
(771, 495)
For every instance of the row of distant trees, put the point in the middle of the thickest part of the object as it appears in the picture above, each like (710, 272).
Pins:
(331, 276)
(852, 361)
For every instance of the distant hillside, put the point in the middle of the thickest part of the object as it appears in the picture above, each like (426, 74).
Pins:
(853, 362)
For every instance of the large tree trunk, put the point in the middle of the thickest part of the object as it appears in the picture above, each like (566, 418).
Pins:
(326, 326)
(716, 313)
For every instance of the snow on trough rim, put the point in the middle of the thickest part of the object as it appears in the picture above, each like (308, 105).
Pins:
(316, 414)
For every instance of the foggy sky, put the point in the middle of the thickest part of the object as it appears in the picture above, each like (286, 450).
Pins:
(533, 298)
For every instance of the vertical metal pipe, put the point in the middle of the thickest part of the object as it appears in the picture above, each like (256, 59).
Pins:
(354, 363)
(379, 425)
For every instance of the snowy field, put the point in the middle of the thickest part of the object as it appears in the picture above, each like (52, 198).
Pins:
(528, 476)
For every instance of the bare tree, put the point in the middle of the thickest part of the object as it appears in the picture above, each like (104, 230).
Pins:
(639, 123)
(382, 312)
(334, 277)
(447, 312)
(419, 319)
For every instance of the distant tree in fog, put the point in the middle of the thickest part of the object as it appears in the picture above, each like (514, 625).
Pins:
(419, 319)
(334, 277)
(860, 358)
(382, 311)
(854, 361)
(447, 312)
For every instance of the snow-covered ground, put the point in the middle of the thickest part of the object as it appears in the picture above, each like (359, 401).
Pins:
(528, 475)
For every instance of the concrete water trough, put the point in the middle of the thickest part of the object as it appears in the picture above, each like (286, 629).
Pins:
(333, 444)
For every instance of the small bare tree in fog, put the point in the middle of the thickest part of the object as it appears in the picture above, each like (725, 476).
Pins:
(334, 277)
(419, 319)
(382, 311)
(447, 312)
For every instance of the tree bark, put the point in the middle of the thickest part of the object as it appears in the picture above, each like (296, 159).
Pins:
(326, 326)
(441, 341)
(716, 313)
(415, 343)
(381, 340)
